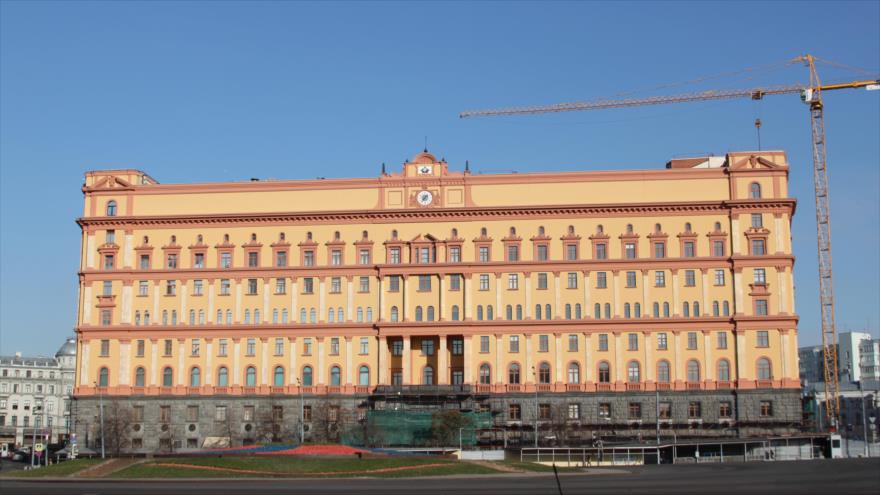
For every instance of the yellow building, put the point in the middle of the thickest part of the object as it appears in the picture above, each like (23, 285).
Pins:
(587, 288)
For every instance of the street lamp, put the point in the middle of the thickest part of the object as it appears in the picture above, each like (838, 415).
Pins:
(101, 406)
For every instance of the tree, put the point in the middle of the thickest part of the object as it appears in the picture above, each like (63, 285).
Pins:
(117, 422)
(367, 432)
(269, 423)
(446, 426)
(327, 421)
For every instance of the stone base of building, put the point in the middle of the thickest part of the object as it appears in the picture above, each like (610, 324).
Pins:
(144, 424)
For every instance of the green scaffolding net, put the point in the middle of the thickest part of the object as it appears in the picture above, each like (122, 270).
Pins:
(417, 428)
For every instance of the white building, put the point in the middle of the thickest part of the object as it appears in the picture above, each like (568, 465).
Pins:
(849, 355)
(869, 360)
(35, 392)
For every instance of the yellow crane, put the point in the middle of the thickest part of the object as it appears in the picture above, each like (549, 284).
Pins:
(812, 95)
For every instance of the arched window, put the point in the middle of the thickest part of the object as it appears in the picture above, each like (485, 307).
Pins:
(547, 314)
(726, 308)
(717, 226)
(247, 316)
(167, 377)
(693, 371)
(201, 317)
(192, 317)
(302, 315)
(330, 315)
(335, 376)
(485, 374)
(568, 311)
(279, 376)
(164, 316)
(309, 236)
(111, 208)
(541, 230)
(666, 310)
(360, 315)
(369, 314)
(284, 316)
(229, 317)
(219, 319)
(755, 190)
(455, 233)
(724, 370)
(687, 227)
(600, 229)
(139, 377)
(508, 312)
(275, 315)
(336, 236)
(604, 372)
(633, 372)
(638, 310)
(764, 370)
(696, 309)
(716, 309)
(626, 311)
(663, 372)
(394, 234)
(340, 315)
(685, 309)
(629, 228)
(394, 313)
(103, 377)
(455, 315)
(537, 311)
(544, 373)
(307, 376)
(430, 313)
(519, 312)
(313, 315)
(223, 377)
(428, 375)
(419, 313)
(483, 232)
(250, 378)
(513, 374)
(257, 317)
(174, 317)
(365, 235)
(146, 317)
(607, 311)
(658, 228)
(578, 314)
(479, 313)
(597, 311)
(195, 377)
(512, 231)
(574, 373)
(253, 237)
(363, 376)
(656, 308)
(281, 236)
(137, 318)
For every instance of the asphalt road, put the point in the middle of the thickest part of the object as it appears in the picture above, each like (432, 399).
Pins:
(838, 477)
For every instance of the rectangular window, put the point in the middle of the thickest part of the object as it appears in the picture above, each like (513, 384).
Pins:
(544, 411)
(109, 263)
(635, 410)
(145, 262)
(397, 348)
(140, 348)
(394, 283)
(514, 343)
(574, 412)
(225, 260)
(692, 340)
(280, 285)
(334, 346)
(689, 250)
(604, 410)
(106, 317)
(307, 347)
(633, 341)
(758, 247)
(724, 409)
(164, 414)
(455, 282)
(225, 286)
(603, 341)
(761, 307)
(252, 286)
(630, 250)
(137, 414)
(365, 346)
(194, 348)
(542, 252)
(364, 284)
(757, 220)
(248, 413)
(105, 348)
(514, 412)
(484, 254)
(192, 414)
(719, 277)
(572, 343)
(659, 249)
(424, 283)
(571, 252)
(308, 258)
(364, 257)
(662, 344)
(572, 280)
(695, 410)
(171, 288)
(308, 285)
(665, 410)
(601, 280)
(760, 275)
(171, 261)
(335, 285)
(108, 288)
(766, 409)
(253, 259)
(427, 347)
(660, 279)
(222, 348)
(484, 282)
(279, 347)
(251, 347)
(722, 340)
(281, 259)
(198, 287)
(484, 344)
(336, 257)
(690, 278)
(457, 347)
(394, 256)
(199, 260)
(542, 281)
(543, 343)
(630, 279)
(601, 251)
(513, 281)
(143, 288)
(763, 338)
(512, 253)
(717, 248)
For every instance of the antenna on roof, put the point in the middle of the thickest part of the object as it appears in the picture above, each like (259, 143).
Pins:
(426, 144)
(467, 166)
(383, 168)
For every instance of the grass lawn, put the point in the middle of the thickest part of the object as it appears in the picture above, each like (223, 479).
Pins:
(300, 467)
(65, 468)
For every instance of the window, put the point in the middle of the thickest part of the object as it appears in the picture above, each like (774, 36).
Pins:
(513, 375)
(601, 280)
(308, 285)
(764, 370)
(690, 278)
(633, 374)
(364, 284)
(717, 248)
(758, 247)
(666, 310)
(111, 208)
(761, 307)
(336, 257)
(107, 288)
(719, 277)
(420, 313)
(630, 279)
(194, 347)
(604, 410)
(572, 343)
(335, 376)
(542, 252)
(512, 253)
(514, 343)
(660, 278)
(105, 348)
(334, 346)
(726, 306)
(543, 343)
(394, 314)
(544, 373)
(663, 371)
(542, 281)
(755, 190)
(723, 370)
(364, 257)
(251, 348)
(725, 409)
(106, 317)
(514, 412)
(335, 285)
(164, 414)
(484, 343)
(308, 258)
(394, 283)
(171, 261)
(484, 254)
(167, 377)
(695, 410)
(307, 347)
(427, 347)
(574, 373)
(635, 410)
(692, 340)
(766, 409)
(757, 220)
(662, 344)
(424, 283)
(603, 341)
(457, 347)
(103, 377)
(722, 340)
(633, 341)
(363, 376)
(601, 251)
(572, 280)
(365, 345)
(760, 276)
(455, 254)
(307, 376)
(544, 411)
(659, 249)
(513, 281)
(140, 348)
(693, 371)
(428, 375)
(665, 410)
(604, 372)
(225, 260)
(571, 252)
(394, 256)
(455, 282)
(689, 251)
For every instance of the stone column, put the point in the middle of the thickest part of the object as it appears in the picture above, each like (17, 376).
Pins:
(406, 360)
(587, 309)
(649, 357)
(783, 290)
(707, 356)
(738, 296)
(90, 250)
(588, 363)
(181, 370)
(676, 355)
(294, 372)
(84, 363)
(705, 304)
(154, 361)
(322, 302)
(528, 284)
(384, 364)
(557, 351)
(321, 361)
(615, 283)
(264, 362)
(735, 233)
(441, 309)
(209, 362)
(557, 298)
(211, 292)
(498, 297)
(237, 301)
(529, 365)
(266, 300)
(467, 342)
(157, 294)
(442, 362)
(499, 365)
(783, 335)
(294, 292)
(676, 301)
(618, 361)
(236, 361)
(646, 294)
(348, 359)
(124, 362)
(406, 299)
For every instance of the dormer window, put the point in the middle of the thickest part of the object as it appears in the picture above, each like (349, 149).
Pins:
(111, 208)
(253, 237)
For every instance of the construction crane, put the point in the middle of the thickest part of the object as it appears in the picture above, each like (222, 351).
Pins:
(811, 95)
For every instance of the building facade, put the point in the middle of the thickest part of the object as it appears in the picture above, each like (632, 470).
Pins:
(856, 354)
(522, 294)
(35, 394)
(811, 363)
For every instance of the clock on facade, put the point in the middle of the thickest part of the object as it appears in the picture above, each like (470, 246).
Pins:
(425, 170)
(424, 198)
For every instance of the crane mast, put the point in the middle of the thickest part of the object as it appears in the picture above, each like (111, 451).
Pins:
(811, 95)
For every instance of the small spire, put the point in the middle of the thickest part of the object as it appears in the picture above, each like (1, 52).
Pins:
(383, 168)
(467, 166)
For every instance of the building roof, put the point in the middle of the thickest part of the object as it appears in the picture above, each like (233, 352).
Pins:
(67, 349)
(29, 361)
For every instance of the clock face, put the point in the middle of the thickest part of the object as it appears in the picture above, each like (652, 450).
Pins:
(424, 198)
(425, 170)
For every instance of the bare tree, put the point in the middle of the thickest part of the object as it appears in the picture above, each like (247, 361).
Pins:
(327, 421)
(559, 425)
(117, 422)
(269, 424)
(446, 427)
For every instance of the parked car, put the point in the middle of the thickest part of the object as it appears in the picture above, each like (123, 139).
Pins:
(21, 456)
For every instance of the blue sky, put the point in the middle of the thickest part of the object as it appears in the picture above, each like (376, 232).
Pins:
(207, 91)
